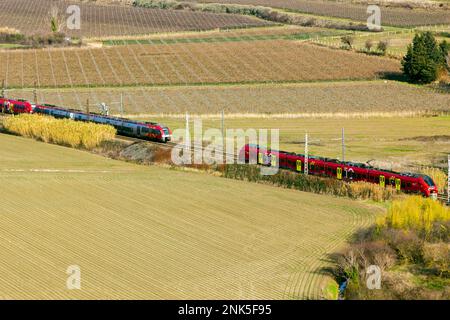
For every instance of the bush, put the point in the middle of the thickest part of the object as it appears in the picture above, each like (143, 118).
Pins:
(437, 257)
(347, 41)
(63, 132)
(8, 35)
(36, 40)
(53, 39)
(351, 265)
(265, 13)
(406, 243)
(417, 214)
(382, 46)
(411, 247)
(162, 155)
(369, 44)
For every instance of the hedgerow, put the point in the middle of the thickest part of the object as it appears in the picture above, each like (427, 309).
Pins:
(309, 183)
(261, 12)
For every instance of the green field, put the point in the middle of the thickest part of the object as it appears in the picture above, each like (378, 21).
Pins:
(149, 232)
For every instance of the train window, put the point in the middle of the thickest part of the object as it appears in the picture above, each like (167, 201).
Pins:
(428, 181)
(145, 130)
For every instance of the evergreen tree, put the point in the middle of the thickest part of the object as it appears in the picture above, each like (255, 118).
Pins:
(445, 46)
(425, 58)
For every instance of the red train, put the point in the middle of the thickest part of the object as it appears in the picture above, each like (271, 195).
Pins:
(138, 129)
(347, 171)
(15, 106)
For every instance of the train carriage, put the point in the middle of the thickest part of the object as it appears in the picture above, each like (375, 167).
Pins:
(137, 129)
(346, 171)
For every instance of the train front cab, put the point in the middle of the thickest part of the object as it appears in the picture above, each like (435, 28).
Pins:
(15, 106)
(428, 187)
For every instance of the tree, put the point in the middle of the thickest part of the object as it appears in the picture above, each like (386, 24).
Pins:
(56, 19)
(369, 44)
(382, 46)
(445, 47)
(347, 41)
(425, 58)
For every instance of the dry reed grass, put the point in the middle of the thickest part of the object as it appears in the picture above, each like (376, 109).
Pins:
(415, 213)
(63, 132)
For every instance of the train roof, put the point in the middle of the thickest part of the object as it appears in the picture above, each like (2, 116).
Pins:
(16, 100)
(104, 116)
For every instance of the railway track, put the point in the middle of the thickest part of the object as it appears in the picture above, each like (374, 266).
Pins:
(172, 145)
(443, 198)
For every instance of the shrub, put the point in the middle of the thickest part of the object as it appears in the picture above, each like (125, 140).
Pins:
(36, 40)
(369, 44)
(347, 41)
(8, 35)
(406, 243)
(351, 265)
(418, 214)
(265, 13)
(321, 185)
(437, 257)
(414, 236)
(440, 231)
(162, 155)
(367, 190)
(63, 132)
(382, 46)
